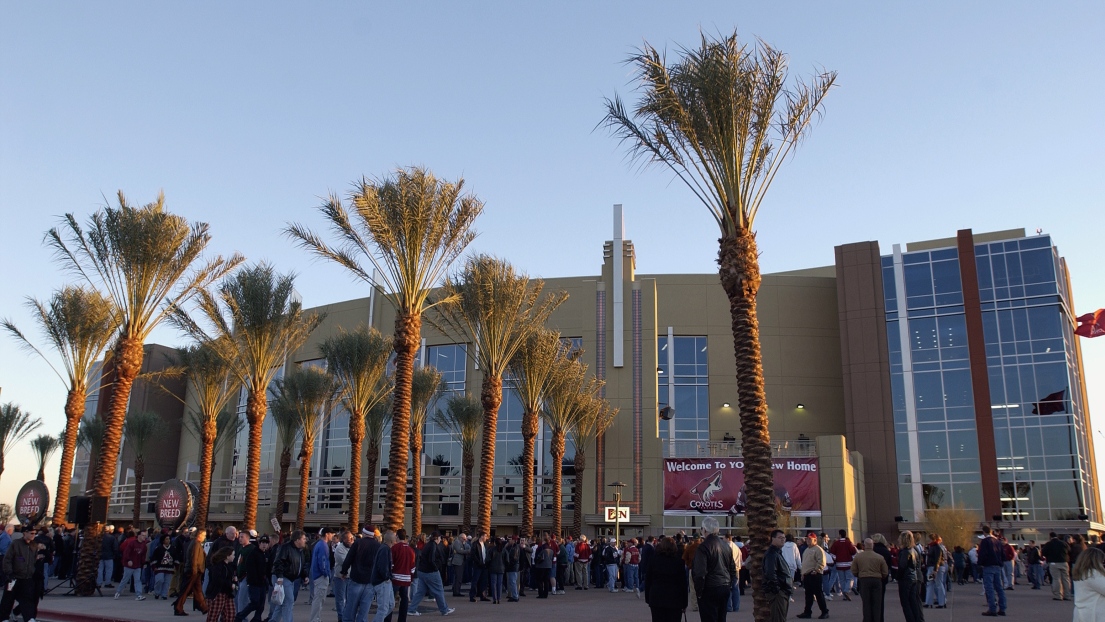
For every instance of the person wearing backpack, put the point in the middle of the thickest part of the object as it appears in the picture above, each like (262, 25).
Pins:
(911, 578)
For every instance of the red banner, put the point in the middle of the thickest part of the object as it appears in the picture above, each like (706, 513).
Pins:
(1091, 324)
(716, 485)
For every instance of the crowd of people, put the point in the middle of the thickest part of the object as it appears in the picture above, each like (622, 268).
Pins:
(231, 575)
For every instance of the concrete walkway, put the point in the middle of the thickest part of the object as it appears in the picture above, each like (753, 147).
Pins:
(964, 603)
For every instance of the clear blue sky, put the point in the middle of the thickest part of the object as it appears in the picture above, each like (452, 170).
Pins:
(948, 115)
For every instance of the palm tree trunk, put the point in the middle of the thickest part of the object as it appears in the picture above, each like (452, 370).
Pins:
(491, 397)
(529, 441)
(373, 481)
(416, 485)
(577, 493)
(304, 484)
(127, 363)
(74, 411)
(256, 409)
(468, 462)
(282, 485)
(740, 277)
(139, 475)
(356, 440)
(408, 329)
(41, 471)
(557, 451)
(207, 466)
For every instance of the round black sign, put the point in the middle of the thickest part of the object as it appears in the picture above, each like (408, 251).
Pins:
(31, 502)
(174, 504)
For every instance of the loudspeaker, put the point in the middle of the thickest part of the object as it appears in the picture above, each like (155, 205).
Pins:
(97, 511)
(78, 510)
(151, 507)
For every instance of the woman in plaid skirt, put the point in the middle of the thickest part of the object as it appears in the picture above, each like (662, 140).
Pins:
(220, 586)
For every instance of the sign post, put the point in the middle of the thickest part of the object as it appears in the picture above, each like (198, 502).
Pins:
(617, 486)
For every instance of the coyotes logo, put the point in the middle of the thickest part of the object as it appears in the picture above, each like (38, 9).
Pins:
(705, 490)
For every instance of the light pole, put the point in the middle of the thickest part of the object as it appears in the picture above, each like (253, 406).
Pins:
(617, 486)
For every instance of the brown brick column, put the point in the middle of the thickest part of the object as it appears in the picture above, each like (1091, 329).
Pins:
(980, 376)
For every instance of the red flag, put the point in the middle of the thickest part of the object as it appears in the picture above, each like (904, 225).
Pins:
(1091, 324)
(1053, 403)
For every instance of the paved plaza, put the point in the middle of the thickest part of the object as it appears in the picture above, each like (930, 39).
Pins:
(964, 603)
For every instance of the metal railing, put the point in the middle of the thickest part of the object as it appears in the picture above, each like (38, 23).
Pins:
(799, 448)
(441, 495)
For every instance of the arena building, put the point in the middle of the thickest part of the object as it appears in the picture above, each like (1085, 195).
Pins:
(985, 410)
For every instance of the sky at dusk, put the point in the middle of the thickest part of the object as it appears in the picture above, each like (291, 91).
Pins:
(947, 115)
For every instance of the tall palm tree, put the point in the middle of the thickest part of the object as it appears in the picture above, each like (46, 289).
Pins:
(496, 308)
(213, 385)
(568, 396)
(227, 427)
(15, 425)
(90, 436)
(147, 261)
(410, 227)
(376, 422)
(141, 427)
(78, 322)
(595, 419)
(256, 321)
(425, 387)
(723, 119)
(308, 392)
(288, 427)
(44, 446)
(531, 369)
(358, 360)
(463, 418)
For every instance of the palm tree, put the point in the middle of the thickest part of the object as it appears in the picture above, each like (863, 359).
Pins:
(147, 261)
(425, 387)
(78, 322)
(309, 393)
(228, 425)
(257, 321)
(288, 427)
(90, 435)
(410, 227)
(568, 396)
(723, 119)
(531, 368)
(596, 417)
(358, 360)
(44, 446)
(15, 425)
(463, 418)
(376, 422)
(496, 308)
(139, 429)
(213, 385)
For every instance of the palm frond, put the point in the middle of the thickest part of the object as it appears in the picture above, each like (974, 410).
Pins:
(426, 385)
(15, 425)
(495, 307)
(722, 118)
(306, 394)
(462, 419)
(358, 360)
(140, 428)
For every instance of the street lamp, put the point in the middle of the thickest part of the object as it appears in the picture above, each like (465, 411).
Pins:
(617, 486)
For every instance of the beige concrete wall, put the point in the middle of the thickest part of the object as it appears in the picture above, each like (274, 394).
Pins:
(843, 500)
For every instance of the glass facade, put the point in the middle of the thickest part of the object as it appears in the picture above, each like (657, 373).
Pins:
(685, 381)
(1040, 437)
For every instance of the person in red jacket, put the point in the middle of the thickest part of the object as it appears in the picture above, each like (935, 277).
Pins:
(582, 562)
(402, 566)
(134, 559)
(843, 550)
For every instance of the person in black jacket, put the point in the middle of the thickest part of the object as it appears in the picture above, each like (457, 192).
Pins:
(430, 562)
(289, 570)
(666, 589)
(220, 586)
(480, 558)
(777, 577)
(911, 578)
(255, 570)
(647, 551)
